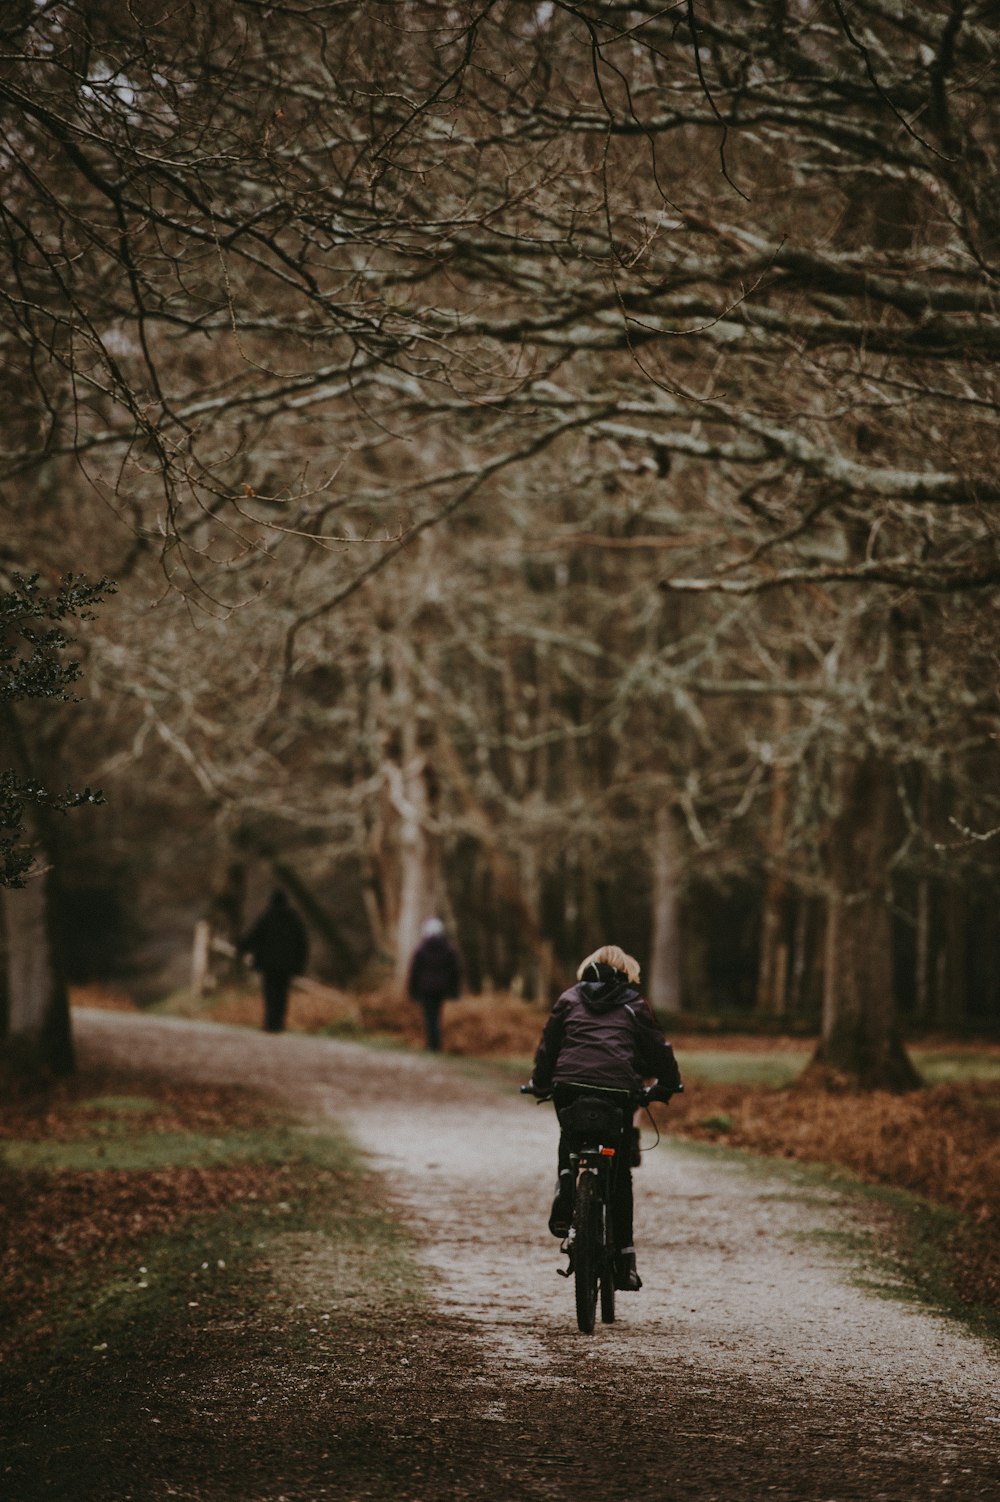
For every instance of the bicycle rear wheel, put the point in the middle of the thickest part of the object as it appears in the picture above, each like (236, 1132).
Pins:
(606, 1255)
(607, 1281)
(585, 1252)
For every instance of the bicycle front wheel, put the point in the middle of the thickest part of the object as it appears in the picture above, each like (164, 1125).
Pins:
(585, 1252)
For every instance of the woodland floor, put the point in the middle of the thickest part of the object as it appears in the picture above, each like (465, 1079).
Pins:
(394, 1327)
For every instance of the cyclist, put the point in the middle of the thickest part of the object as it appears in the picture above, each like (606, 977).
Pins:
(601, 1034)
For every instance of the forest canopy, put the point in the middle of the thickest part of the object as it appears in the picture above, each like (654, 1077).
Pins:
(548, 457)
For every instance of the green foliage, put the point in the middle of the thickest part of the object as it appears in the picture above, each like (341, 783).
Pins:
(32, 666)
(138, 1104)
(741, 1066)
(954, 1066)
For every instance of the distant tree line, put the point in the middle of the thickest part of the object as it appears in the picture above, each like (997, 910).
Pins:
(548, 459)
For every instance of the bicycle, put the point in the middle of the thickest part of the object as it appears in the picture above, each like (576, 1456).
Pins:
(594, 1123)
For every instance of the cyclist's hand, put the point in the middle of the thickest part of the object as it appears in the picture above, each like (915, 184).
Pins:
(659, 1092)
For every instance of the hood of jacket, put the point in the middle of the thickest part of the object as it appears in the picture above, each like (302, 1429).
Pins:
(605, 994)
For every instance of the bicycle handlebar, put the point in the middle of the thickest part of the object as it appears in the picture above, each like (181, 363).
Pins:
(645, 1096)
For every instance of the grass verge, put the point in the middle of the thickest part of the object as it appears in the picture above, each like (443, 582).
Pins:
(158, 1243)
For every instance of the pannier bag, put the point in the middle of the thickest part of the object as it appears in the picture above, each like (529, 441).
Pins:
(591, 1119)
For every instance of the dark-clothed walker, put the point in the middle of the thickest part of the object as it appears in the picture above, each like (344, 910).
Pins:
(601, 1034)
(434, 977)
(278, 946)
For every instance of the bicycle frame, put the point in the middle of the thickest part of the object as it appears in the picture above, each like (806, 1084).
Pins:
(590, 1242)
(600, 1161)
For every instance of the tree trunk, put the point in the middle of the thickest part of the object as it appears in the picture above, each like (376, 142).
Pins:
(952, 1002)
(665, 946)
(923, 937)
(922, 989)
(201, 958)
(861, 1043)
(507, 884)
(39, 1031)
(797, 1004)
(417, 857)
(225, 916)
(772, 968)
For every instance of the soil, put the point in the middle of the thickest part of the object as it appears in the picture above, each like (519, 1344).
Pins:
(755, 1363)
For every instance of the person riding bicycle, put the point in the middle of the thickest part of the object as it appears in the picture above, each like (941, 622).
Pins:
(601, 1035)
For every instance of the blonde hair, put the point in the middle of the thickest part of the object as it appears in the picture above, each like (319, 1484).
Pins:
(610, 954)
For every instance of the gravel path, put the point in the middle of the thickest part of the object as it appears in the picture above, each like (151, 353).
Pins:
(752, 1364)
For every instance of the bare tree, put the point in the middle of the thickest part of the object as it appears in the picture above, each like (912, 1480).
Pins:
(292, 288)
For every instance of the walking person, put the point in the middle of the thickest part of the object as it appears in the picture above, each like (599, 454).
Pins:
(601, 1035)
(435, 976)
(278, 946)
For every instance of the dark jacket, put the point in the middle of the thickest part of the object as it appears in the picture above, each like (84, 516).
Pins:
(435, 970)
(603, 1033)
(278, 941)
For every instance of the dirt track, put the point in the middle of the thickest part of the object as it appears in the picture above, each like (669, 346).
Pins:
(749, 1366)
